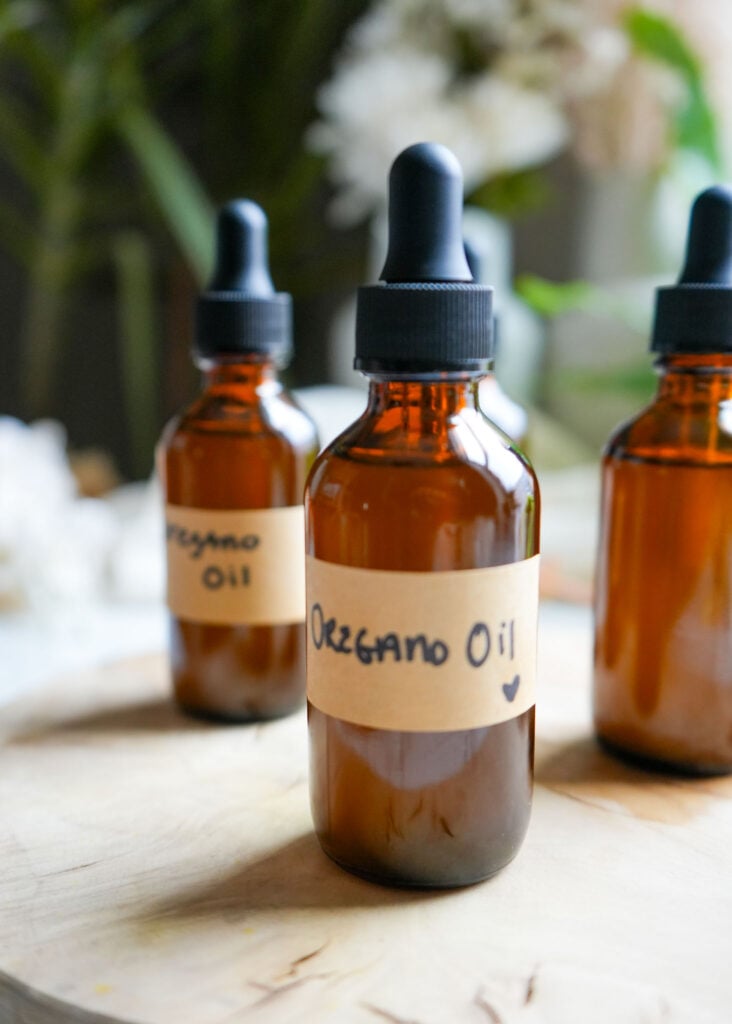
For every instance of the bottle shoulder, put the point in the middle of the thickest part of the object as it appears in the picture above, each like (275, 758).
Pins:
(461, 498)
(626, 433)
(272, 414)
(671, 432)
(471, 446)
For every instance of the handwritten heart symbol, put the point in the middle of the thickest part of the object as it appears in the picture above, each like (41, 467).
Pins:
(510, 689)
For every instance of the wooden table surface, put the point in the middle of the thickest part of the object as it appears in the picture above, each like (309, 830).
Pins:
(160, 871)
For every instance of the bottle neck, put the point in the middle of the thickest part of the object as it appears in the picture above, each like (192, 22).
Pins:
(695, 378)
(421, 402)
(249, 373)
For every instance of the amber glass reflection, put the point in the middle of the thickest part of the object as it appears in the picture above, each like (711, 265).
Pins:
(663, 606)
(243, 444)
(422, 482)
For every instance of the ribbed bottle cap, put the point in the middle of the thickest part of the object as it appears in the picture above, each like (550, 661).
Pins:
(695, 315)
(428, 315)
(240, 312)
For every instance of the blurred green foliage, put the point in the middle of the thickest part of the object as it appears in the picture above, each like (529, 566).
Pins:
(513, 194)
(552, 298)
(694, 129)
(694, 123)
(122, 125)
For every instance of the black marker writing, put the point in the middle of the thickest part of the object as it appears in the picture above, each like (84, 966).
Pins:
(214, 577)
(326, 632)
(480, 645)
(197, 543)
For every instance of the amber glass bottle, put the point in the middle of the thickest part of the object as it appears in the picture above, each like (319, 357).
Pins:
(663, 608)
(233, 467)
(421, 711)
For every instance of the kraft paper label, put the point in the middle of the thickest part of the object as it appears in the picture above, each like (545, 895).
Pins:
(244, 568)
(422, 651)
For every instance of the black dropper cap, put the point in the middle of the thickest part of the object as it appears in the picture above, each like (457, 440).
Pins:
(695, 315)
(429, 315)
(240, 312)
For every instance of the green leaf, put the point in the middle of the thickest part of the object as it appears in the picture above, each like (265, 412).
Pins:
(634, 379)
(20, 15)
(179, 194)
(59, 204)
(166, 29)
(139, 342)
(551, 298)
(15, 234)
(548, 298)
(660, 39)
(657, 37)
(509, 195)
(290, 191)
(20, 149)
(24, 37)
(697, 129)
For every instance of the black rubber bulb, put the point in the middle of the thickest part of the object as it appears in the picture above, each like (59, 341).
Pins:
(709, 248)
(425, 217)
(242, 259)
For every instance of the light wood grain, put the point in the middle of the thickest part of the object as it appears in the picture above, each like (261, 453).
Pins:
(160, 871)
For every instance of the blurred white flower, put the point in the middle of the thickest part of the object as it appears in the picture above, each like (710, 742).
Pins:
(626, 123)
(137, 559)
(51, 542)
(491, 79)
(507, 84)
(378, 107)
(372, 109)
(508, 126)
(56, 546)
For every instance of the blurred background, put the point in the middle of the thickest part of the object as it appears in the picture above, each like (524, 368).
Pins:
(584, 127)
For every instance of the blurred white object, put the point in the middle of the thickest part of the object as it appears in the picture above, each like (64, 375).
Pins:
(137, 559)
(52, 543)
(332, 408)
(67, 637)
(491, 79)
(570, 510)
(508, 415)
(57, 547)
(519, 331)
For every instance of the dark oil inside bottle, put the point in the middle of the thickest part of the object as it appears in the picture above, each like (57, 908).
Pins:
(663, 641)
(421, 483)
(244, 444)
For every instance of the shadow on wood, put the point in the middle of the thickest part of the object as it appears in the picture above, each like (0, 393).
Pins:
(296, 876)
(582, 770)
(154, 715)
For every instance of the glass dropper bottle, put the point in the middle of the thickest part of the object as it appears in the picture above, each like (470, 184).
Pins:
(233, 468)
(422, 539)
(663, 593)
